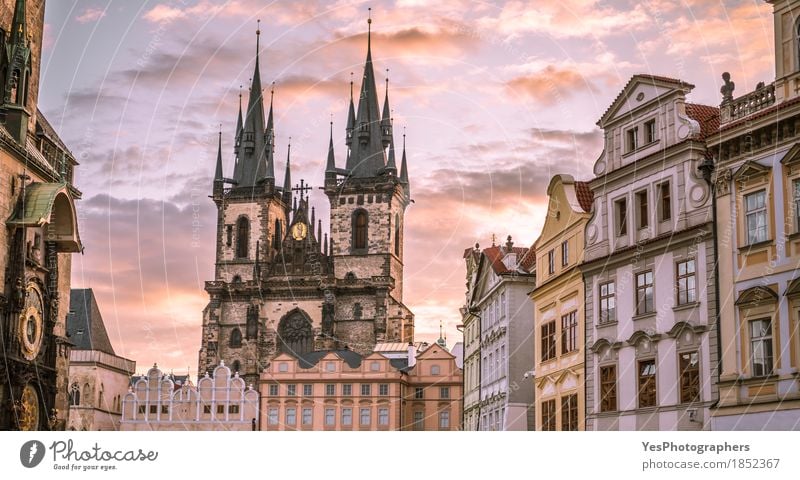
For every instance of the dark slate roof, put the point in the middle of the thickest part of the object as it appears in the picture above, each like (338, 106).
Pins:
(585, 195)
(308, 360)
(50, 132)
(399, 363)
(178, 380)
(85, 327)
(706, 116)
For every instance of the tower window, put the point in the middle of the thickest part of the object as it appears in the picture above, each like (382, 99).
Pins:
(242, 237)
(236, 338)
(228, 235)
(278, 238)
(360, 230)
(397, 234)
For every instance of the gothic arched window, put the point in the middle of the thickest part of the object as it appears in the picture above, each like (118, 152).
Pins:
(236, 338)
(252, 322)
(397, 234)
(237, 367)
(87, 393)
(295, 334)
(74, 395)
(242, 237)
(278, 238)
(360, 230)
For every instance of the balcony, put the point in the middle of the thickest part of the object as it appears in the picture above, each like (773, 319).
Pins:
(762, 97)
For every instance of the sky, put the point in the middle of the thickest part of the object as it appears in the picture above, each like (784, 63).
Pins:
(495, 98)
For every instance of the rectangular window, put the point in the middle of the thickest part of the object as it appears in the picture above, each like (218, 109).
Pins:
(291, 390)
(330, 417)
(164, 410)
(444, 420)
(690, 377)
(233, 408)
(565, 253)
(761, 347)
(642, 210)
(383, 416)
(644, 292)
(419, 422)
(366, 390)
(796, 204)
(551, 262)
(206, 409)
(143, 409)
(273, 416)
(608, 303)
(153, 409)
(549, 416)
(755, 208)
(220, 409)
(621, 216)
(347, 390)
(366, 416)
(608, 388)
(307, 390)
(307, 416)
(273, 390)
(632, 139)
(347, 416)
(549, 341)
(228, 235)
(569, 332)
(686, 282)
(383, 389)
(330, 389)
(444, 392)
(419, 393)
(291, 416)
(665, 202)
(330, 366)
(569, 413)
(650, 130)
(647, 383)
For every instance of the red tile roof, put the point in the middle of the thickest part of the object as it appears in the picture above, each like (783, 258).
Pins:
(706, 116)
(495, 256)
(528, 262)
(585, 195)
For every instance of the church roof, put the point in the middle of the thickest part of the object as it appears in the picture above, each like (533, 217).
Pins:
(85, 327)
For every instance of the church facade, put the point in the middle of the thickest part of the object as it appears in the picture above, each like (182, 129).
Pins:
(280, 284)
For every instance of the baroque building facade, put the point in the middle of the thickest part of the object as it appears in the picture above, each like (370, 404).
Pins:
(649, 263)
(498, 333)
(37, 200)
(559, 314)
(341, 390)
(280, 285)
(757, 185)
(98, 377)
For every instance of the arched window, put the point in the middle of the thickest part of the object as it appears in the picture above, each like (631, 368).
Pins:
(397, 234)
(278, 238)
(295, 335)
(252, 322)
(74, 395)
(237, 367)
(101, 400)
(237, 279)
(236, 338)
(242, 237)
(360, 230)
(87, 394)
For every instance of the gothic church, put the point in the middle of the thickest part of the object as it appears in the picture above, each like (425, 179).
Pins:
(280, 284)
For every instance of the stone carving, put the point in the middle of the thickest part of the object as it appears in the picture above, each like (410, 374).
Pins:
(727, 89)
(722, 182)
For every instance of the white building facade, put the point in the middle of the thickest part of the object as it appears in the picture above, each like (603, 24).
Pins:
(648, 265)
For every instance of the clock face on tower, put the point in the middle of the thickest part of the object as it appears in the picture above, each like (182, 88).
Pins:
(31, 329)
(299, 231)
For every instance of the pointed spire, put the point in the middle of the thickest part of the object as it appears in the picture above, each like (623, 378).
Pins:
(19, 29)
(368, 155)
(287, 177)
(313, 217)
(325, 243)
(319, 229)
(404, 164)
(386, 118)
(254, 164)
(270, 124)
(391, 163)
(330, 167)
(218, 172)
(351, 116)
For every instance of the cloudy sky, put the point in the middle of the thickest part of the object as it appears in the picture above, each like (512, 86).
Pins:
(495, 97)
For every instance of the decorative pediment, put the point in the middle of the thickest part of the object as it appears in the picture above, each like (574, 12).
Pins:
(750, 170)
(603, 343)
(792, 157)
(639, 336)
(639, 91)
(793, 288)
(757, 295)
(680, 327)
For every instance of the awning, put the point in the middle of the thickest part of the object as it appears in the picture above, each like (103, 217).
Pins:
(51, 206)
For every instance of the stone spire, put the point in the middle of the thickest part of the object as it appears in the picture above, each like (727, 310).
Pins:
(253, 145)
(367, 157)
(404, 169)
(269, 136)
(16, 83)
(238, 140)
(351, 116)
(218, 172)
(391, 163)
(330, 166)
(287, 177)
(386, 118)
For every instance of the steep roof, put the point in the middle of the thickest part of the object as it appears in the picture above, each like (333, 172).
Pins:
(707, 116)
(308, 360)
(528, 262)
(585, 195)
(495, 256)
(85, 327)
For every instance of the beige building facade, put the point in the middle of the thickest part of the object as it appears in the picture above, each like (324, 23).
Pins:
(559, 307)
(757, 184)
(343, 390)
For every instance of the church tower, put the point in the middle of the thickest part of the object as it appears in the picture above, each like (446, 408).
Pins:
(368, 200)
(252, 213)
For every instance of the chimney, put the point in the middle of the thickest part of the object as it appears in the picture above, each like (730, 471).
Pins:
(412, 354)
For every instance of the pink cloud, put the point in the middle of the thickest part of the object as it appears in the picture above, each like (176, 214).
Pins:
(90, 15)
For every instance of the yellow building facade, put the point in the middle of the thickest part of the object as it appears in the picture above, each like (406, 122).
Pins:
(559, 375)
